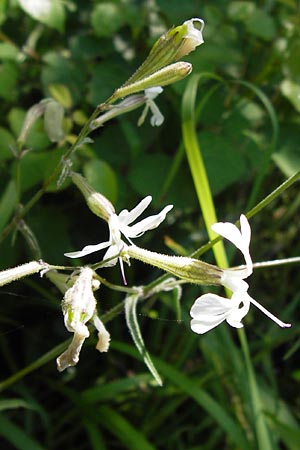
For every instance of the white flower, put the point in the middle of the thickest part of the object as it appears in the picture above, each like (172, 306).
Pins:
(121, 225)
(157, 117)
(210, 310)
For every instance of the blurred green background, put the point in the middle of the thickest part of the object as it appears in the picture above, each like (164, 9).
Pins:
(248, 129)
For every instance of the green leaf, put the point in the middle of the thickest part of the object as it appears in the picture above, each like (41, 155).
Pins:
(292, 62)
(261, 25)
(106, 19)
(8, 81)
(102, 178)
(224, 163)
(16, 436)
(7, 203)
(6, 141)
(148, 174)
(240, 11)
(49, 12)
(291, 91)
(61, 94)
(131, 437)
(133, 325)
(3, 6)
(8, 51)
(61, 70)
(115, 389)
(106, 77)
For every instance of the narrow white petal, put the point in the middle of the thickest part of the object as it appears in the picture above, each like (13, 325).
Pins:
(229, 231)
(126, 217)
(241, 239)
(149, 223)
(88, 250)
(112, 252)
(157, 118)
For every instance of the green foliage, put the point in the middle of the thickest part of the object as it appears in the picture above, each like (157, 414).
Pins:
(246, 124)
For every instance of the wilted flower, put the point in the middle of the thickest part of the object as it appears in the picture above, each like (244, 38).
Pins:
(210, 310)
(79, 307)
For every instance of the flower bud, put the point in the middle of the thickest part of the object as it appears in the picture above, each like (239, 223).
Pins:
(189, 269)
(170, 47)
(9, 275)
(167, 75)
(97, 203)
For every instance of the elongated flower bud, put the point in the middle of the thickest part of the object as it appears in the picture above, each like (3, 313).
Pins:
(167, 75)
(189, 269)
(9, 275)
(97, 203)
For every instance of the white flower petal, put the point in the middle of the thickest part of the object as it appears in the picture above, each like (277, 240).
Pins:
(149, 223)
(241, 239)
(194, 33)
(157, 118)
(233, 279)
(208, 311)
(152, 92)
(201, 326)
(88, 250)
(112, 252)
(126, 217)
(210, 304)
(229, 231)
(71, 356)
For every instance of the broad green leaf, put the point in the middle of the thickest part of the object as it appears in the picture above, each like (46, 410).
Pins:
(106, 18)
(8, 51)
(8, 81)
(102, 178)
(61, 70)
(261, 25)
(134, 328)
(106, 77)
(148, 172)
(224, 163)
(49, 12)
